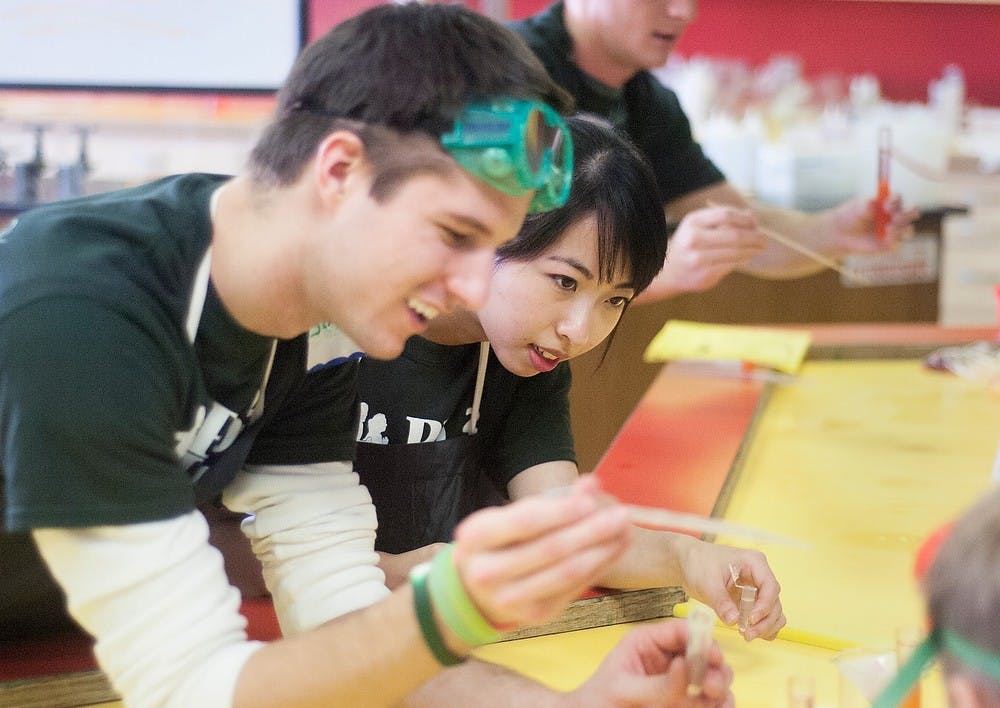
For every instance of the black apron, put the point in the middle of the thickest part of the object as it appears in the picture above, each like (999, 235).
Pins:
(422, 490)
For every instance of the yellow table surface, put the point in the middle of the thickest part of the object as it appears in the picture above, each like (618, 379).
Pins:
(761, 669)
(860, 460)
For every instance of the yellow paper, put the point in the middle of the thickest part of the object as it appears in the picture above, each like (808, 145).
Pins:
(782, 350)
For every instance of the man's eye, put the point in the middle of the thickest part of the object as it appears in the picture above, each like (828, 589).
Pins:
(458, 239)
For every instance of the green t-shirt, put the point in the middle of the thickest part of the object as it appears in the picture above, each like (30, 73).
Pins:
(647, 110)
(106, 406)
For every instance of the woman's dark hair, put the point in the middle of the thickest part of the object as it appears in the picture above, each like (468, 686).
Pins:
(408, 68)
(613, 183)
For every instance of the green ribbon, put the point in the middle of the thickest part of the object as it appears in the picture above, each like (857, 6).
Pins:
(976, 658)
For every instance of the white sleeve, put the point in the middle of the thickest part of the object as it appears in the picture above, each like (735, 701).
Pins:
(156, 598)
(313, 528)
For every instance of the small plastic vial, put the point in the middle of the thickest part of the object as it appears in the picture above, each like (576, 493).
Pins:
(748, 597)
(699, 625)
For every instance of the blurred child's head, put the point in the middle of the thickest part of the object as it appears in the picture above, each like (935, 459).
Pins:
(963, 599)
(962, 587)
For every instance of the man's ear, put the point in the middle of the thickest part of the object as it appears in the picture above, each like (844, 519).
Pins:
(338, 157)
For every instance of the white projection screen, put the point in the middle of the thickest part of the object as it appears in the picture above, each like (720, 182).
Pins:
(157, 45)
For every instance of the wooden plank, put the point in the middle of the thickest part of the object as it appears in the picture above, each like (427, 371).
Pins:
(612, 607)
(80, 688)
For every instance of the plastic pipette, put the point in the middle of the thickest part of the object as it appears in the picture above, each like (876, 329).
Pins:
(658, 519)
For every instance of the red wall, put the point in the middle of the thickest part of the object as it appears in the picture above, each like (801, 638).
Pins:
(905, 44)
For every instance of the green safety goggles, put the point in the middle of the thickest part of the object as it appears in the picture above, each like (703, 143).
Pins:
(975, 657)
(516, 146)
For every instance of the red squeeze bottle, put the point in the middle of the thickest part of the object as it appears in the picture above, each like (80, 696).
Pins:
(882, 192)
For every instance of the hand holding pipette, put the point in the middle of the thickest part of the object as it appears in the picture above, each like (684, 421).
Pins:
(806, 251)
(720, 232)
(705, 246)
(707, 576)
(649, 667)
(871, 225)
(661, 554)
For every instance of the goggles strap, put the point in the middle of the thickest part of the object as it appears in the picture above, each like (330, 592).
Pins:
(909, 673)
(975, 657)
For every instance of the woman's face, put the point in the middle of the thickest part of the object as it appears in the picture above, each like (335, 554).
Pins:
(553, 308)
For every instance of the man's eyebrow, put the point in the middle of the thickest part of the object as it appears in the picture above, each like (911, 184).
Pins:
(469, 222)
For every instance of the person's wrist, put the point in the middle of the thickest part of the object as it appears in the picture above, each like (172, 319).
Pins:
(446, 647)
(449, 620)
(683, 551)
(454, 605)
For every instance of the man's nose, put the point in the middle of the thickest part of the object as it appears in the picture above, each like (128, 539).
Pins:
(469, 279)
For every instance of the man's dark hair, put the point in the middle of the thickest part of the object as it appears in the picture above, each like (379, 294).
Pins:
(410, 68)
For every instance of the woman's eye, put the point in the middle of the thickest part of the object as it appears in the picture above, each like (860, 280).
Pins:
(619, 301)
(564, 282)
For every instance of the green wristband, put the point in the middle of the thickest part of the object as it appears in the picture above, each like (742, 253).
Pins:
(454, 605)
(425, 617)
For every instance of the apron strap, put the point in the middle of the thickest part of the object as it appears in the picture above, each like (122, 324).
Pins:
(257, 407)
(477, 396)
(200, 289)
(198, 294)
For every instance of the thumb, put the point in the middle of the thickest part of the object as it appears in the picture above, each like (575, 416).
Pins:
(726, 609)
(667, 689)
(718, 596)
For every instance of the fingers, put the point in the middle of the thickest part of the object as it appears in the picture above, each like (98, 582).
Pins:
(528, 518)
(708, 245)
(722, 228)
(900, 226)
(716, 215)
(765, 623)
(715, 690)
(715, 687)
(766, 616)
(670, 689)
(524, 562)
(659, 650)
(665, 638)
(531, 594)
(856, 225)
